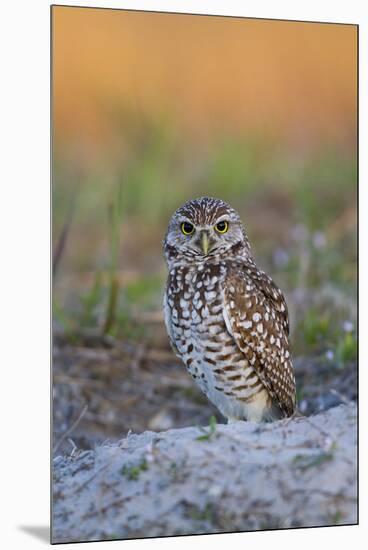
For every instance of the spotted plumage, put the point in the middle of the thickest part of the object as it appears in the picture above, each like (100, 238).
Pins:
(226, 319)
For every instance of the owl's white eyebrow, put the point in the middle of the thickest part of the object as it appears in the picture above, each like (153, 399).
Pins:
(222, 218)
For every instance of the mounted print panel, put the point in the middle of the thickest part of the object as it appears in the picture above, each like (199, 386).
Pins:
(204, 274)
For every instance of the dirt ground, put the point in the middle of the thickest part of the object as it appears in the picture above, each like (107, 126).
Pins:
(136, 453)
(242, 476)
(103, 389)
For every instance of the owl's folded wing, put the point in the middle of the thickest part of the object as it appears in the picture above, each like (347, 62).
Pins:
(256, 316)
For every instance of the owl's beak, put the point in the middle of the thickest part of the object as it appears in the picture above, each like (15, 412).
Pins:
(204, 242)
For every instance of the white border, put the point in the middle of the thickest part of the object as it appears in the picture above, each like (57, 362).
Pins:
(24, 220)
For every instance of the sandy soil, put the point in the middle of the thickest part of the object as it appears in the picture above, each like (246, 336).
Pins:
(237, 477)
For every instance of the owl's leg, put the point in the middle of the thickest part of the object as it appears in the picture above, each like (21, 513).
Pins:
(231, 419)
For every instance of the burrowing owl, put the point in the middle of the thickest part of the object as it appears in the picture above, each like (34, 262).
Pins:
(226, 319)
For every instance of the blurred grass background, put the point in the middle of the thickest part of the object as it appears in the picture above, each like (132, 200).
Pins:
(152, 109)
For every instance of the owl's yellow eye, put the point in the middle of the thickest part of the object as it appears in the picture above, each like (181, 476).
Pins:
(222, 227)
(187, 228)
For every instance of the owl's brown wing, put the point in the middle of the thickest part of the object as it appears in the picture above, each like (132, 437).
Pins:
(256, 316)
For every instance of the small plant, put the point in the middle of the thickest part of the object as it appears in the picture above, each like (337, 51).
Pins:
(133, 472)
(304, 462)
(337, 517)
(201, 514)
(208, 433)
(316, 328)
(145, 291)
(62, 317)
(115, 214)
(125, 324)
(347, 349)
(90, 301)
(299, 394)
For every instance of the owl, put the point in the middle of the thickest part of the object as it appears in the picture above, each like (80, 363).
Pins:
(226, 319)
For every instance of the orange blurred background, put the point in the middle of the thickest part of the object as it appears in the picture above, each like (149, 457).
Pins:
(296, 81)
(156, 108)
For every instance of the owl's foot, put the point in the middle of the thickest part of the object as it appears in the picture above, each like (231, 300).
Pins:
(296, 415)
(231, 419)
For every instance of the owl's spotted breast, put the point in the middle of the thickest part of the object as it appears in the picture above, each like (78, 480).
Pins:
(226, 319)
